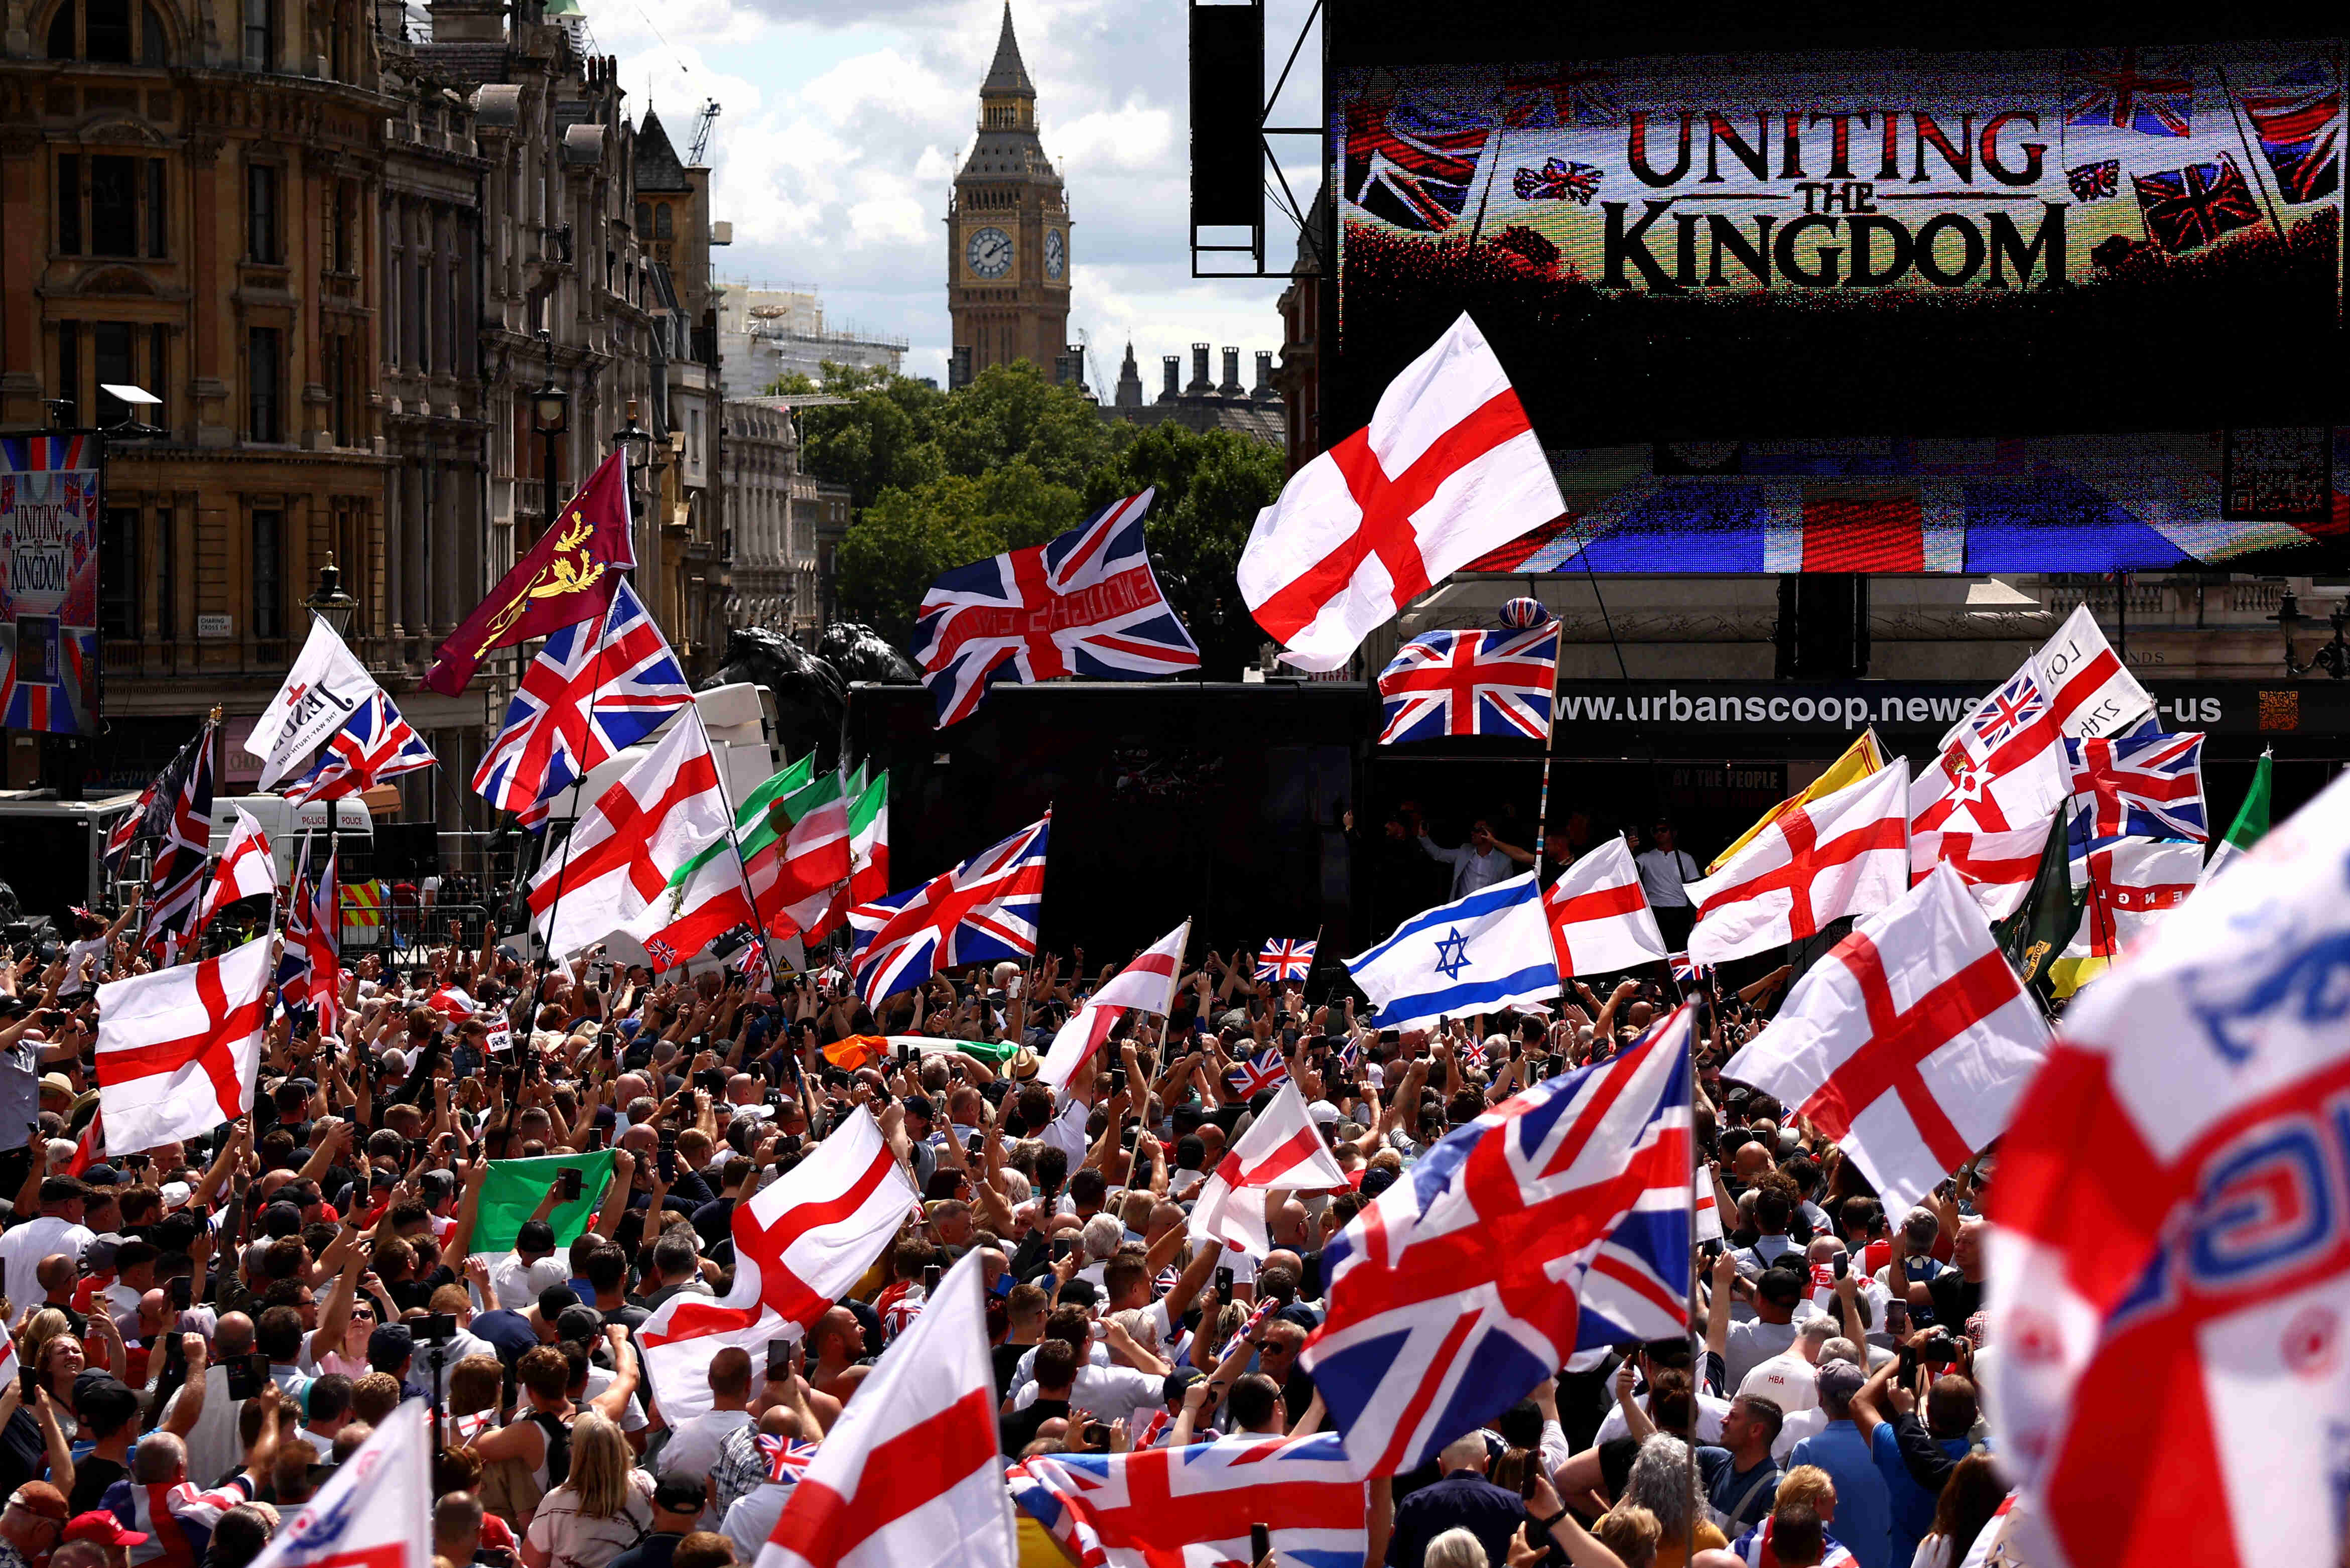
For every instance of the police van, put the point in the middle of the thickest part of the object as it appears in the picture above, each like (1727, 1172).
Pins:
(290, 823)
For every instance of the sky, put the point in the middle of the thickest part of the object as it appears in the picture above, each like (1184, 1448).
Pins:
(842, 122)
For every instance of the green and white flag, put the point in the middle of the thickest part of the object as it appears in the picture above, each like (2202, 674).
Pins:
(2251, 823)
(512, 1190)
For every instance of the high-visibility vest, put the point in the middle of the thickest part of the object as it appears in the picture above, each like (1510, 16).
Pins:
(363, 905)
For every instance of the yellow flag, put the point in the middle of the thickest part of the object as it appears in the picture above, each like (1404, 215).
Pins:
(1862, 758)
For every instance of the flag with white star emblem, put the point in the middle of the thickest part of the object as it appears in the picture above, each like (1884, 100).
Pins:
(1479, 954)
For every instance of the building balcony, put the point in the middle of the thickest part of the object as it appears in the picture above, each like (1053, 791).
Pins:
(392, 657)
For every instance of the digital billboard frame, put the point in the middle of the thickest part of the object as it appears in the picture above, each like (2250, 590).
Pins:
(2098, 323)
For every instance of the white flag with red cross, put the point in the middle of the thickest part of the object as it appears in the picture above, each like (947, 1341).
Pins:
(1147, 985)
(1599, 918)
(911, 1476)
(800, 1244)
(245, 871)
(1281, 1150)
(1909, 1043)
(2090, 695)
(2002, 770)
(1448, 469)
(1997, 868)
(1844, 853)
(178, 1048)
(618, 860)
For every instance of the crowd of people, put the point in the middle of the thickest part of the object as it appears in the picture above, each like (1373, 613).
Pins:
(206, 1331)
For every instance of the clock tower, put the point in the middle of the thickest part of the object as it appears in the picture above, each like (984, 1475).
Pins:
(1007, 233)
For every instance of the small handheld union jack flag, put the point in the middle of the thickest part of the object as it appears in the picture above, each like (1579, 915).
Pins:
(374, 745)
(1285, 958)
(1261, 1072)
(1558, 181)
(2094, 182)
(786, 1461)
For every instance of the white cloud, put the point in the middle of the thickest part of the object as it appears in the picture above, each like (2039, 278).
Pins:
(842, 125)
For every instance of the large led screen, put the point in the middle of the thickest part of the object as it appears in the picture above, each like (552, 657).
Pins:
(2065, 308)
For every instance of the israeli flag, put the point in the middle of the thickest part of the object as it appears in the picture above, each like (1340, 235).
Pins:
(1479, 954)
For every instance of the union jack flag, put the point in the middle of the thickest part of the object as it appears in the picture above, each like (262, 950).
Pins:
(1265, 1070)
(2298, 122)
(584, 699)
(1085, 604)
(374, 745)
(1351, 1053)
(1558, 181)
(178, 878)
(310, 972)
(149, 815)
(1164, 1508)
(1412, 166)
(985, 908)
(2188, 207)
(2094, 182)
(786, 1461)
(2012, 707)
(1577, 93)
(2144, 785)
(2118, 90)
(1470, 683)
(1285, 958)
(1558, 1220)
(1683, 971)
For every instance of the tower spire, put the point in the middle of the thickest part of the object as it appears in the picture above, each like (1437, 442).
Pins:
(1007, 74)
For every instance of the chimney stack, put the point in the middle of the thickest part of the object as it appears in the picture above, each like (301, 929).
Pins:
(1173, 365)
(1263, 389)
(1231, 383)
(1199, 385)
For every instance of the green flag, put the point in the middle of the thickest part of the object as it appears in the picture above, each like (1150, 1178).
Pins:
(2036, 933)
(754, 825)
(2251, 823)
(512, 1190)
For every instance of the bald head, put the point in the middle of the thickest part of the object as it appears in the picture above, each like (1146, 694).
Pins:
(1466, 1452)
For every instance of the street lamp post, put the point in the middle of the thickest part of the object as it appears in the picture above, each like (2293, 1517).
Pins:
(2332, 658)
(550, 416)
(330, 604)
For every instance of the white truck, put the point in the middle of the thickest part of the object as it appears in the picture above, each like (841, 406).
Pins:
(50, 849)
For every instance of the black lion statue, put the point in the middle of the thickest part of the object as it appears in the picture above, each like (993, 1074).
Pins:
(810, 698)
(859, 653)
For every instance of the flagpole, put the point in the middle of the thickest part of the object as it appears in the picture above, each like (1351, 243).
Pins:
(750, 894)
(563, 871)
(1697, 1346)
(2253, 161)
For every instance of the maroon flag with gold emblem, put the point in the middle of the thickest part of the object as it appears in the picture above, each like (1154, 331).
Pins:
(566, 577)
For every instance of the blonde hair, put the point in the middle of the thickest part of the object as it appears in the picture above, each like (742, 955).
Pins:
(1809, 1485)
(601, 1460)
(42, 1326)
(1631, 1531)
(1456, 1548)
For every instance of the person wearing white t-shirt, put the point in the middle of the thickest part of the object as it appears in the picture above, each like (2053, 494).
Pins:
(58, 1228)
(693, 1446)
(1665, 873)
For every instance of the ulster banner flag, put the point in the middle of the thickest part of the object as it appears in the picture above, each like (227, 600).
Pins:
(565, 578)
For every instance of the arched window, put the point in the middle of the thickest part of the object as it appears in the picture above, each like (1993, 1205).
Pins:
(110, 31)
(661, 230)
(644, 218)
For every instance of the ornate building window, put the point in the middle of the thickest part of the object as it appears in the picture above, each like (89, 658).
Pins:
(113, 32)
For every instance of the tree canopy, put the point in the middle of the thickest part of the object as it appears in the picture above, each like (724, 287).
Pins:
(938, 479)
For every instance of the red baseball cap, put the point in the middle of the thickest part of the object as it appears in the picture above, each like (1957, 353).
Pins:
(102, 1527)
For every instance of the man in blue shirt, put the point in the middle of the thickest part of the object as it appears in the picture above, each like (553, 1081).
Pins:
(1914, 1458)
(1463, 1499)
(1864, 1510)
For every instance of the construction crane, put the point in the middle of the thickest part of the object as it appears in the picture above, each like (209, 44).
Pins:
(1093, 370)
(702, 131)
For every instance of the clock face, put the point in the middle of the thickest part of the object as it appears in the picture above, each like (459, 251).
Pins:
(1056, 258)
(989, 254)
